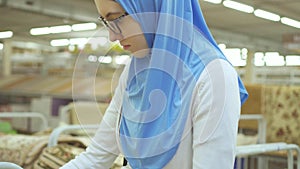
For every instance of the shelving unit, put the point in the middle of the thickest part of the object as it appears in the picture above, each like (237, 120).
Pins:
(274, 75)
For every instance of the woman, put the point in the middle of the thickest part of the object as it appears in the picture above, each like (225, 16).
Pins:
(178, 101)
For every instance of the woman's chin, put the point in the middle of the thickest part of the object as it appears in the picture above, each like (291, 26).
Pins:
(141, 53)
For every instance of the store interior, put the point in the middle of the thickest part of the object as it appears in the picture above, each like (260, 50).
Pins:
(56, 60)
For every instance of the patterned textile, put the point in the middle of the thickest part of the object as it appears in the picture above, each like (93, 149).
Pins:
(21, 149)
(281, 109)
(55, 157)
(280, 105)
(24, 150)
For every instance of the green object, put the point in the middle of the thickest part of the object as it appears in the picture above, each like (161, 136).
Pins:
(6, 128)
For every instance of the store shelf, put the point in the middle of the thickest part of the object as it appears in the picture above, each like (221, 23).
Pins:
(98, 88)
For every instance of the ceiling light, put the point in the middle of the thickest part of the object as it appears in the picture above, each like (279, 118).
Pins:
(266, 15)
(272, 54)
(238, 6)
(214, 1)
(122, 60)
(40, 31)
(222, 46)
(274, 60)
(92, 58)
(6, 34)
(84, 26)
(234, 56)
(259, 54)
(71, 48)
(244, 53)
(60, 42)
(102, 41)
(78, 41)
(292, 60)
(105, 59)
(259, 59)
(61, 29)
(290, 22)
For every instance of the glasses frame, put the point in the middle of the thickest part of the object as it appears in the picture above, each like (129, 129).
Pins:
(113, 25)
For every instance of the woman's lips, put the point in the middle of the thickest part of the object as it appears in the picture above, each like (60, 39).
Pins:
(125, 47)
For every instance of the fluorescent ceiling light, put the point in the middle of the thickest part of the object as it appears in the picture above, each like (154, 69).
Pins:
(274, 60)
(122, 60)
(259, 54)
(40, 31)
(238, 6)
(244, 53)
(61, 29)
(292, 60)
(222, 46)
(71, 48)
(102, 41)
(99, 41)
(290, 22)
(266, 15)
(1, 46)
(6, 34)
(105, 59)
(214, 1)
(92, 58)
(259, 59)
(272, 54)
(84, 26)
(234, 56)
(60, 42)
(78, 41)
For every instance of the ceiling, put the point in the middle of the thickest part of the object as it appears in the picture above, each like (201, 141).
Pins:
(257, 30)
(228, 26)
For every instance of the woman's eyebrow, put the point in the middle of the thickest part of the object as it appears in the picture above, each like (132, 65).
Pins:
(109, 14)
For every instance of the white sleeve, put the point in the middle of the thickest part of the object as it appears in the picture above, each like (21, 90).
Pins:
(216, 111)
(103, 150)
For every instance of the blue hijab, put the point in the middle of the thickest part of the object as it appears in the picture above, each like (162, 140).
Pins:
(157, 99)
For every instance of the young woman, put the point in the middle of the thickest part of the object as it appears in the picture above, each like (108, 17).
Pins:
(178, 101)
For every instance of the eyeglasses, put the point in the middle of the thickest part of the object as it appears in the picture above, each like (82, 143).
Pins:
(113, 25)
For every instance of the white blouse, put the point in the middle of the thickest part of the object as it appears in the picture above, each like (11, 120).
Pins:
(211, 142)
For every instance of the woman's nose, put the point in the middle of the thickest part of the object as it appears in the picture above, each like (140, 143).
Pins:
(114, 36)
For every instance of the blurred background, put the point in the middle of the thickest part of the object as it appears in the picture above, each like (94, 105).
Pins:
(54, 53)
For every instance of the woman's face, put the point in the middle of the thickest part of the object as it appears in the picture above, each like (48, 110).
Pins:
(129, 31)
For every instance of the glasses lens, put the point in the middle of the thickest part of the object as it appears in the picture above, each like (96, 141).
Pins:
(114, 27)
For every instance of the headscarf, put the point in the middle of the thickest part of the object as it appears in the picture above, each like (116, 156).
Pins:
(157, 99)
